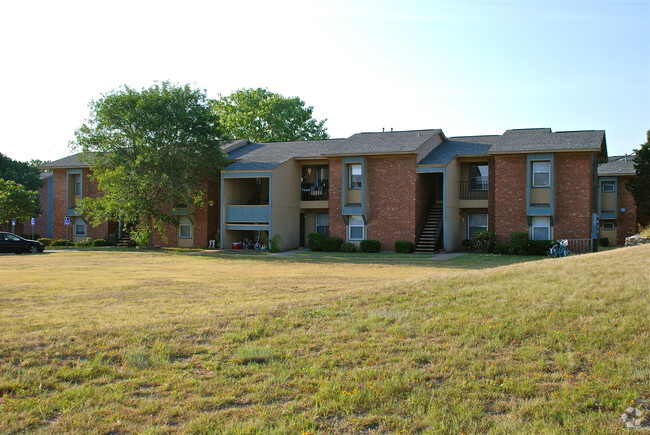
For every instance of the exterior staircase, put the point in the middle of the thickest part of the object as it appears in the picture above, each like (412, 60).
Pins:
(431, 230)
(124, 241)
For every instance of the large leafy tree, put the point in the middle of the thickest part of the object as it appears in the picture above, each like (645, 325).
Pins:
(23, 173)
(148, 149)
(639, 186)
(264, 116)
(16, 202)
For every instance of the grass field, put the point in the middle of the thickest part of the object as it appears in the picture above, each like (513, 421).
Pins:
(124, 342)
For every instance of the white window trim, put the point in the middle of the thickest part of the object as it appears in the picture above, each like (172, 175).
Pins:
(350, 175)
(468, 226)
(609, 183)
(79, 222)
(76, 181)
(533, 226)
(316, 226)
(605, 223)
(548, 173)
(362, 226)
(180, 225)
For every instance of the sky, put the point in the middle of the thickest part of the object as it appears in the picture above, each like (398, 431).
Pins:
(466, 67)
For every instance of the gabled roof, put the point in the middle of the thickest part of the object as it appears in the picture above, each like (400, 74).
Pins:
(393, 142)
(460, 146)
(535, 140)
(72, 162)
(617, 166)
(265, 156)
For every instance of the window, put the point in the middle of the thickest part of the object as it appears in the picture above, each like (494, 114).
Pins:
(355, 228)
(478, 177)
(79, 227)
(77, 184)
(541, 229)
(609, 187)
(542, 174)
(356, 177)
(608, 225)
(322, 223)
(476, 222)
(184, 227)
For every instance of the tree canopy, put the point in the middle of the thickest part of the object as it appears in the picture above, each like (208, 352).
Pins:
(16, 202)
(27, 174)
(639, 186)
(264, 116)
(149, 149)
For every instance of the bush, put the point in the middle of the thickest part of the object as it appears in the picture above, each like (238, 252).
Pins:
(112, 239)
(46, 241)
(467, 244)
(87, 242)
(315, 241)
(59, 242)
(348, 247)
(501, 248)
(275, 243)
(404, 247)
(604, 242)
(483, 241)
(99, 242)
(332, 244)
(370, 246)
(518, 243)
(539, 247)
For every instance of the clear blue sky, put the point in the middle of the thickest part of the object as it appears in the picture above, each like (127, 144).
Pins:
(467, 67)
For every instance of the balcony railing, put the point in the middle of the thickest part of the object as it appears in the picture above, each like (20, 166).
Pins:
(314, 191)
(247, 213)
(474, 189)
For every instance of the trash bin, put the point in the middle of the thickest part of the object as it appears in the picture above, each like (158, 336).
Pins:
(235, 245)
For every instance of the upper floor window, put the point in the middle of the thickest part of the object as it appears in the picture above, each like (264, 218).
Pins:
(478, 177)
(356, 176)
(609, 187)
(542, 174)
(77, 184)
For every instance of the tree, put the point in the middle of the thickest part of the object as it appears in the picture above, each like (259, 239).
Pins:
(639, 186)
(263, 116)
(148, 149)
(27, 174)
(16, 202)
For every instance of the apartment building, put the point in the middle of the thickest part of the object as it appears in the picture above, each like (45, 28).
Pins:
(616, 207)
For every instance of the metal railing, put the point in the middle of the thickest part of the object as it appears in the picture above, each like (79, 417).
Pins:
(314, 192)
(473, 189)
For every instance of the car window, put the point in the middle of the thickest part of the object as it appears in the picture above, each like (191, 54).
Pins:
(13, 238)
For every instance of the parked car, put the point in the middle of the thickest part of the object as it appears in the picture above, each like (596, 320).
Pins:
(10, 242)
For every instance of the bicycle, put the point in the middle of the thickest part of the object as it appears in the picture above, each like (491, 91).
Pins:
(559, 249)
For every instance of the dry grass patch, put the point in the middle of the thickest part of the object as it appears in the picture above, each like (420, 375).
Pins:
(158, 343)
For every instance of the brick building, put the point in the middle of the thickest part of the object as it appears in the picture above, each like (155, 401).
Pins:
(417, 185)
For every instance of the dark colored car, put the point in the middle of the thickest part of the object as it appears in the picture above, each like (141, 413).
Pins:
(10, 242)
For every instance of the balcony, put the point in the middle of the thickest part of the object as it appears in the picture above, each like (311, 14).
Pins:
(474, 189)
(251, 214)
(318, 191)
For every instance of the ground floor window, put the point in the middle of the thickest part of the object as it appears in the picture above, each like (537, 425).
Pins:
(79, 227)
(184, 227)
(608, 225)
(476, 222)
(322, 223)
(541, 229)
(356, 228)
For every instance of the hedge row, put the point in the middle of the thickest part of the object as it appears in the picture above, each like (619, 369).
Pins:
(321, 242)
(520, 244)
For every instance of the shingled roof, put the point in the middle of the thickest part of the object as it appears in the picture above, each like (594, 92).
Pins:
(73, 161)
(533, 140)
(617, 166)
(394, 142)
(460, 146)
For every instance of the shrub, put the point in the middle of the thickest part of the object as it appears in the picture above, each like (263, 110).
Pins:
(501, 248)
(483, 241)
(112, 239)
(315, 241)
(348, 247)
(46, 241)
(59, 242)
(467, 244)
(369, 246)
(275, 243)
(404, 247)
(332, 244)
(538, 247)
(604, 242)
(518, 243)
(87, 242)
(99, 242)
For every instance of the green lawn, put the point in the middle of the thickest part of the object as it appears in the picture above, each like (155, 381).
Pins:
(159, 342)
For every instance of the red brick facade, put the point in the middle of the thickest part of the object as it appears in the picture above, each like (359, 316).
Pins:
(337, 225)
(573, 184)
(626, 221)
(509, 196)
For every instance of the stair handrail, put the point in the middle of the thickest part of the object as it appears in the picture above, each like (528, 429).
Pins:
(423, 220)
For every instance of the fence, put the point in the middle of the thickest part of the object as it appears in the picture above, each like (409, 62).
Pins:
(580, 246)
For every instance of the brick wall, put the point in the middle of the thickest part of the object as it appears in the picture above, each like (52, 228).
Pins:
(626, 222)
(392, 200)
(509, 196)
(573, 195)
(337, 226)
(491, 201)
